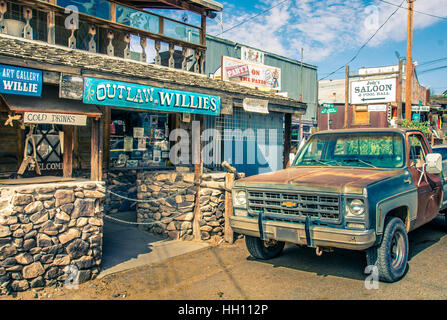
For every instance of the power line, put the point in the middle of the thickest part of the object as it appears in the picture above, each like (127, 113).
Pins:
(364, 45)
(432, 61)
(432, 69)
(421, 12)
(252, 17)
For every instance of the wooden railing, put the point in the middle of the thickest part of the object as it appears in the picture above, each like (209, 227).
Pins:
(108, 32)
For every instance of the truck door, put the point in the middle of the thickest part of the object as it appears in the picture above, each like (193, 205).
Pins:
(429, 185)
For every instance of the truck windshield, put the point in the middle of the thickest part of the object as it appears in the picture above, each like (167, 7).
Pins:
(375, 150)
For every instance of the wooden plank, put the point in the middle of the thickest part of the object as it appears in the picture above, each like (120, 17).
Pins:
(71, 87)
(94, 155)
(26, 63)
(100, 147)
(228, 231)
(51, 77)
(107, 121)
(68, 151)
(198, 169)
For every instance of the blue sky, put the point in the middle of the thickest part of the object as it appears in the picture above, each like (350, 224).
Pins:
(331, 31)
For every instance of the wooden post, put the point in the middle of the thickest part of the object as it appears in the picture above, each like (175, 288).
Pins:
(409, 71)
(287, 135)
(346, 97)
(94, 160)
(107, 122)
(228, 232)
(203, 30)
(100, 147)
(198, 167)
(399, 91)
(68, 151)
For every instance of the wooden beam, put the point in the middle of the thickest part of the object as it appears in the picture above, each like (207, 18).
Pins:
(68, 151)
(287, 136)
(94, 172)
(203, 30)
(38, 65)
(198, 168)
(107, 121)
(228, 231)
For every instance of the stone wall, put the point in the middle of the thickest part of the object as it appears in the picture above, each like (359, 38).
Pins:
(212, 205)
(122, 183)
(45, 228)
(169, 203)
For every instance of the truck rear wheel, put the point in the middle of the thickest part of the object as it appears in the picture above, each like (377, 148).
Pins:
(391, 256)
(263, 249)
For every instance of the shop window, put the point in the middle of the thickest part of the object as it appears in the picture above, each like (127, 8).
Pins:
(47, 139)
(139, 139)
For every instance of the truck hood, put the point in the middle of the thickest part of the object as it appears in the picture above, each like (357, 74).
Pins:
(333, 179)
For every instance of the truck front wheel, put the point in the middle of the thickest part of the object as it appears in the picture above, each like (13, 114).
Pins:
(263, 249)
(391, 256)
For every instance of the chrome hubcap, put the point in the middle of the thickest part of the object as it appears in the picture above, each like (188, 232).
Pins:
(397, 250)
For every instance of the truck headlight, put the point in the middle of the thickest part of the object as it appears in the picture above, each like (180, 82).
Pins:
(240, 198)
(356, 207)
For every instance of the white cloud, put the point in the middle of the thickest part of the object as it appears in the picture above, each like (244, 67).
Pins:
(323, 27)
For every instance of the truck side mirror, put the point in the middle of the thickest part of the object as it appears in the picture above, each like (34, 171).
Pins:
(434, 163)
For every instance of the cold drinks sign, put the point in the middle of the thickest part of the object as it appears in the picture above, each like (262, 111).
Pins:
(20, 81)
(373, 91)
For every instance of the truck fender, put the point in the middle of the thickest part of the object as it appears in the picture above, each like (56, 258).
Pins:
(403, 205)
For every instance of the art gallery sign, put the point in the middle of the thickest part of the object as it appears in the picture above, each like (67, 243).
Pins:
(373, 91)
(251, 74)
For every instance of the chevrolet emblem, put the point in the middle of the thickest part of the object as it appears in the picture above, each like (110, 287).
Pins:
(289, 204)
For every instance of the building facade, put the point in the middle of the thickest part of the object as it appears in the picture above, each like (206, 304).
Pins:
(90, 127)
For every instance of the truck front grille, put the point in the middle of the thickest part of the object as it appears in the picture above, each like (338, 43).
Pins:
(294, 206)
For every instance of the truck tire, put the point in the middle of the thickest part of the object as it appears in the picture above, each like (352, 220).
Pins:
(263, 250)
(391, 256)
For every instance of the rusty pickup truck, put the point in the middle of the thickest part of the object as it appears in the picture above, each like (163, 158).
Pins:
(359, 189)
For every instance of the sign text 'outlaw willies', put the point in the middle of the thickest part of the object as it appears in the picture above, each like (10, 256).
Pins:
(130, 95)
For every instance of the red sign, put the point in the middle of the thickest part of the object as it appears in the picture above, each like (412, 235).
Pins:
(237, 71)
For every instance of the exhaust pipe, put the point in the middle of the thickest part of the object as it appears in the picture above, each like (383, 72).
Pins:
(318, 251)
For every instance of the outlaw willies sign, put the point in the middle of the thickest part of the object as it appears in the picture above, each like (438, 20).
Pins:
(20, 81)
(130, 95)
(373, 91)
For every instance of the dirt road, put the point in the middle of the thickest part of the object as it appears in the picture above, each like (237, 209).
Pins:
(228, 272)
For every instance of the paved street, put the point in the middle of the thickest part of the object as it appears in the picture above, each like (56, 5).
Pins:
(228, 272)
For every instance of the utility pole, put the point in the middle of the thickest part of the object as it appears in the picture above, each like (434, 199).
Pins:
(346, 96)
(399, 91)
(409, 71)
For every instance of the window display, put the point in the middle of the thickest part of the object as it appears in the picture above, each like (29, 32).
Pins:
(138, 139)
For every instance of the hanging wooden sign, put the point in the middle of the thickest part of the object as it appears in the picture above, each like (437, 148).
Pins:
(55, 118)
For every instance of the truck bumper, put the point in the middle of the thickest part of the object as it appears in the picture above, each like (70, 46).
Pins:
(296, 233)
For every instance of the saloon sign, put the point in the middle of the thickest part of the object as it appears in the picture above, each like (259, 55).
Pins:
(373, 91)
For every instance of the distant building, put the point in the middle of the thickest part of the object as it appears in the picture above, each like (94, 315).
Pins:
(373, 99)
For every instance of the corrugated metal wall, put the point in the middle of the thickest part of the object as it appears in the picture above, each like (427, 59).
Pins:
(290, 71)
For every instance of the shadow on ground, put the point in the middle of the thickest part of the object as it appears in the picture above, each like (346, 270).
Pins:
(122, 242)
(348, 263)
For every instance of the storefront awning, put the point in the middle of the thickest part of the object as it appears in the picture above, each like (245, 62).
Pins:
(48, 103)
